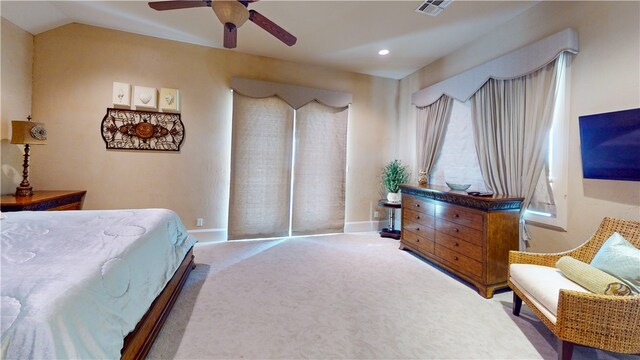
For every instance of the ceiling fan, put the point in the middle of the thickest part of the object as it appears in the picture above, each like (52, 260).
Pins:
(232, 13)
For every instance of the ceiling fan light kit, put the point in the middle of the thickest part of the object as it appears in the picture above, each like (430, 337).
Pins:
(232, 14)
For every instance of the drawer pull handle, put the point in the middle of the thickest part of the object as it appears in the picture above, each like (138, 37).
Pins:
(417, 229)
(417, 205)
(455, 258)
(417, 217)
(456, 244)
(456, 215)
(457, 230)
(417, 240)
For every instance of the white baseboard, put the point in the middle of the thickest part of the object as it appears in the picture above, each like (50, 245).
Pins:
(209, 235)
(362, 226)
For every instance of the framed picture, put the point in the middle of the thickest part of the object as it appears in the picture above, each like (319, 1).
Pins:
(124, 129)
(169, 99)
(121, 94)
(145, 97)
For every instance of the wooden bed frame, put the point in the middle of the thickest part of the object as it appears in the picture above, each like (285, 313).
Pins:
(138, 343)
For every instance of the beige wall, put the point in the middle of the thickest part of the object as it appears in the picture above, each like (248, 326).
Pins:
(15, 73)
(605, 77)
(74, 67)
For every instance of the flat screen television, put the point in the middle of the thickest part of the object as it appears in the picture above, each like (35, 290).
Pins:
(610, 145)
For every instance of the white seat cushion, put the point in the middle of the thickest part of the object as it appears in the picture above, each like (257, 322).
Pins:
(542, 284)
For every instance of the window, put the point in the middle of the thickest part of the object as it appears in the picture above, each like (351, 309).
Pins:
(260, 168)
(458, 160)
(549, 203)
(320, 163)
(516, 64)
(288, 168)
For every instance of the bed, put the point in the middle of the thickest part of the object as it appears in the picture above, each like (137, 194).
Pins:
(89, 284)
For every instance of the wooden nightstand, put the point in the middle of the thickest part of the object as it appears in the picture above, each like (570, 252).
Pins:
(44, 200)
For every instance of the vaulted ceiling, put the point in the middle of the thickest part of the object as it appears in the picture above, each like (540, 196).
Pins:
(345, 35)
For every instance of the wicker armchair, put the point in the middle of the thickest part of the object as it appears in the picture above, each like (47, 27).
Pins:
(604, 322)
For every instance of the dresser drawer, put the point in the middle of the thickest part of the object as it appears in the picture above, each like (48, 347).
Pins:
(459, 262)
(418, 217)
(461, 232)
(459, 246)
(460, 216)
(419, 229)
(420, 242)
(72, 206)
(418, 205)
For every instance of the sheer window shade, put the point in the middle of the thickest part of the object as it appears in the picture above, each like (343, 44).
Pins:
(542, 200)
(458, 159)
(319, 169)
(260, 168)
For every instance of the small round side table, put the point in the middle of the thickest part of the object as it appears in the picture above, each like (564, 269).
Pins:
(391, 231)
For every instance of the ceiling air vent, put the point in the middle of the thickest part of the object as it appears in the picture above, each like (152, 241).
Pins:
(433, 7)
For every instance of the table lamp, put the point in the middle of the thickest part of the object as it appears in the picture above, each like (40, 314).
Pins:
(27, 133)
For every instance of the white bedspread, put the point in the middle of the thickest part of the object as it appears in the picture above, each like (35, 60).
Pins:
(75, 283)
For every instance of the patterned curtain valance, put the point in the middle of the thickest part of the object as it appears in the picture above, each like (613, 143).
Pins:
(295, 96)
(515, 64)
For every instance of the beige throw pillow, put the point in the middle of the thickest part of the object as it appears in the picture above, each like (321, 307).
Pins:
(591, 278)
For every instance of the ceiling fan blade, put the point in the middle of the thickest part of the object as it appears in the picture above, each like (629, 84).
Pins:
(178, 4)
(230, 36)
(272, 28)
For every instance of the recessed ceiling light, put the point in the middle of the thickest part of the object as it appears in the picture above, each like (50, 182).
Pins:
(383, 52)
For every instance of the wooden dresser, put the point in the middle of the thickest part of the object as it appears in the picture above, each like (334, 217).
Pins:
(467, 235)
(44, 200)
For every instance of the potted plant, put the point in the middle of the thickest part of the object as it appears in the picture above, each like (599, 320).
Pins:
(394, 174)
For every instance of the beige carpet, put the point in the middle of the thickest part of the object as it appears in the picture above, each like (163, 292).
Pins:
(352, 296)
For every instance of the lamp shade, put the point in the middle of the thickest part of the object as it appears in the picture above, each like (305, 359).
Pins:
(28, 132)
(230, 11)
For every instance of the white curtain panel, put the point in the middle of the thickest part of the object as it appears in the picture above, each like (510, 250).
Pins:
(261, 151)
(512, 120)
(431, 126)
(319, 169)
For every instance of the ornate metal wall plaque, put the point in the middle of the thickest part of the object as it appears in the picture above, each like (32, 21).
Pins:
(142, 130)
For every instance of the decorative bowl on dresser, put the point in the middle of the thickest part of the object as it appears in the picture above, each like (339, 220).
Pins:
(467, 235)
(43, 200)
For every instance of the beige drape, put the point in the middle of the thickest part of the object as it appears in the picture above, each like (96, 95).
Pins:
(511, 121)
(432, 123)
(319, 169)
(260, 168)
